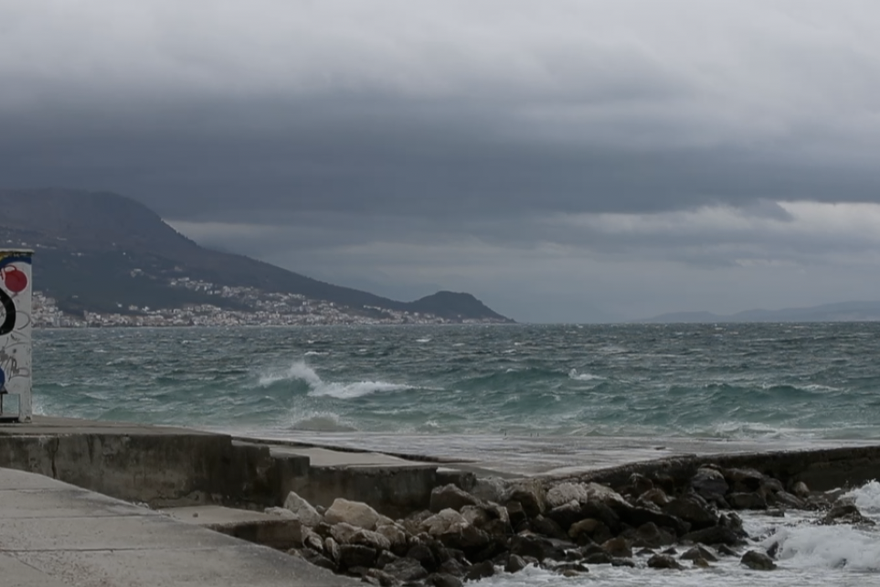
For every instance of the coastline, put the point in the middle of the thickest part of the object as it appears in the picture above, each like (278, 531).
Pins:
(178, 468)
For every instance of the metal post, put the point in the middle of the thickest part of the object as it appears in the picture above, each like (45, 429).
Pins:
(16, 289)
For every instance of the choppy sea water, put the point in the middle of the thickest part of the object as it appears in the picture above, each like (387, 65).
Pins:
(548, 388)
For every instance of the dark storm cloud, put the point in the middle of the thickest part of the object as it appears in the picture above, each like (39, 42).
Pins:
(556, 135)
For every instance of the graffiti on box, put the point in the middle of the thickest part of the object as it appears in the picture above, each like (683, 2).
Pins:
(15, 331)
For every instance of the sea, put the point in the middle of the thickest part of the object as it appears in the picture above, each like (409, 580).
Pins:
(527, 399)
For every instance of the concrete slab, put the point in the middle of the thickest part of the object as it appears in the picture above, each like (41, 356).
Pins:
(84, 539)
(269, 530)
(325, 457)
(49, 425)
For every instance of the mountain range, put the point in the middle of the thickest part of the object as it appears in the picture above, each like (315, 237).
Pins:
(838, 312)
(103, 252)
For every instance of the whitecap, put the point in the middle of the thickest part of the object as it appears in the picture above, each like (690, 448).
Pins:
(573, 374)
(423, 340)
(314, 354)
(354, 390)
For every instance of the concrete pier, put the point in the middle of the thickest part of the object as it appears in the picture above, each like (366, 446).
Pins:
(56, 535)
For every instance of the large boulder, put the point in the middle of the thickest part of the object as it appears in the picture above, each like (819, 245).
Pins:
(699, 552)
(744, 480)
(565, 493)
(352, 512)
(758, 561)
(618, 548)
(530, 494)
(567, 514)
(303, 510)
(489, 489)
(649, 535)
(845, 512)
(694, 510)
(396, 537)
(447, 521)
(709, 484)
(714, 535)
(664, 561)
(589, 530)
(451, 497)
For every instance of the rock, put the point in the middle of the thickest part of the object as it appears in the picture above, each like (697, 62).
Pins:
(747, 501)
(599, 558)
(386, 557)
(450, 497)
(671, 551)
(699, 552)
(709, 484)
(381, 578)
(489, 489)
(650, 535)
(654, 496)
(369, 538)
(570, 569)
(531, 495)
(319, 560)
(424, 555)
(302, 509)
(623, 562)
(590, 529)
(769, 486)
(443, 580)
(342, 532)
(406, 569)
(526, 545)
(801, 490)
(701, 563)
(664, 561)
(744, 480)
(639, 484)
(547, 527)
(396, 538)
(470, 540)
(567, 514)
(352, 512)
(479, 571)
(844, 512)
(565, 493)
(331, 549)
(356, 555)
(758, 561)
(694, 510)
(452, 567)
(788, 500)
(515, 564)
(447, 521)
(714, 535)
(725, 550)
(636, 516)
(603, 513)
(313, 540)
(282, 513)
(516, 514)
(618, 548)
(605, 495)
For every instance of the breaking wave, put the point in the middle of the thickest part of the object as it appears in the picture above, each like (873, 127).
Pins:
(301, 372)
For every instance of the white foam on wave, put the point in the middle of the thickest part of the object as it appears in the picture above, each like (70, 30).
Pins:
(423, 340)
(299, 371)
(867, 497)
(573, 374)
(830, 547)
(314, 354)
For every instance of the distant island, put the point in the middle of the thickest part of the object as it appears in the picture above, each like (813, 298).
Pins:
(106, 260)
(839, 312)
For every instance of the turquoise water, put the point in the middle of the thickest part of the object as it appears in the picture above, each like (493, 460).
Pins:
(540, 393)
(727, 381)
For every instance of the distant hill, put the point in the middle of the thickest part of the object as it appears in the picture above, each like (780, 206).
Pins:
(839, 312)
(100, 252)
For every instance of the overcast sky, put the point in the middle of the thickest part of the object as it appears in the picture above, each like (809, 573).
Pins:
(561, 160)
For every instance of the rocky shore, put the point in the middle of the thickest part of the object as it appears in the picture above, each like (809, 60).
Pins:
(479, 527)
